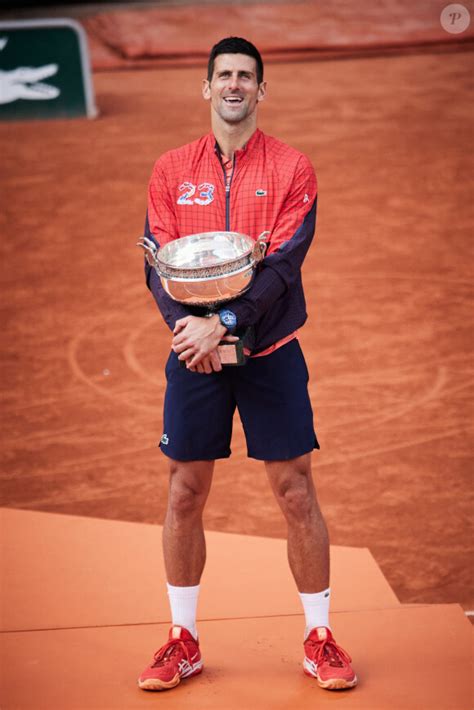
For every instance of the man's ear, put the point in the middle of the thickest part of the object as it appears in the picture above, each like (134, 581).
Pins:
(206, 89)
(262, 91)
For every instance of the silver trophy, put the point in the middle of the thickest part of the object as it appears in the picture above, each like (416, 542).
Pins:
(207, 270)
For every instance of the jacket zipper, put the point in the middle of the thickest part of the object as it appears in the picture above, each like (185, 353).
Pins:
(227, 192)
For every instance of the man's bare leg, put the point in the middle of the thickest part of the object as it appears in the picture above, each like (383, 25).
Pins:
(184, 550)
(184, 545)
(308, 555)
(308, 541)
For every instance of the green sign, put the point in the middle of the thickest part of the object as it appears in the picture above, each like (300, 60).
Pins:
(44, 71)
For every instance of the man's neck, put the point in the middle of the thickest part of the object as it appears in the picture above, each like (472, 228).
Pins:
(231, 138)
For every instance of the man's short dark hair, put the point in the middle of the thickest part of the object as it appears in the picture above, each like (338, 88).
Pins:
(235, 45)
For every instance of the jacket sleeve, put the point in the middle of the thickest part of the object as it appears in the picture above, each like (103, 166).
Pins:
(289, 242)
(161, 227)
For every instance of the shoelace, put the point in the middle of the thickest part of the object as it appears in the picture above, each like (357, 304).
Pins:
(169, 650)
(332, 653)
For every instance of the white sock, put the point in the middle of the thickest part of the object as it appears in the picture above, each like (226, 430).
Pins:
(183, 603)
(316, 609)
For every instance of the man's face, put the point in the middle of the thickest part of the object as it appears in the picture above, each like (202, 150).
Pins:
(233, 90)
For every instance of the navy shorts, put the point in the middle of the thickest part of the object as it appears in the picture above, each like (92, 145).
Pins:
(271, 394)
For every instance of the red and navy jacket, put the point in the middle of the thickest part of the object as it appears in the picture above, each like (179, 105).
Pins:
(273, 189)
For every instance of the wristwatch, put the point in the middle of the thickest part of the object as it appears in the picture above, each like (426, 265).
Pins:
(228, 319)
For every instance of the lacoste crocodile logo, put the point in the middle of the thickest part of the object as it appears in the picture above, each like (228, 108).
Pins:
(26, 82)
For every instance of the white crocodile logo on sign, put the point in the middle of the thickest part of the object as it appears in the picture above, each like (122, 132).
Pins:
(26, 82)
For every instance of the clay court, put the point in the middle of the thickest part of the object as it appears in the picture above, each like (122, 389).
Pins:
(388, 284)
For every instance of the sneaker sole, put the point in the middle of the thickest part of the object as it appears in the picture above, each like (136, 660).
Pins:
(337, 683)
(331, 683)
(157, 684)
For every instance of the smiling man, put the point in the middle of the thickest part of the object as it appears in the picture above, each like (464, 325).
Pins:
(238, 179)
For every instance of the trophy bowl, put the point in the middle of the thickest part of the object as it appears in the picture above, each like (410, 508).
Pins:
(210, 268)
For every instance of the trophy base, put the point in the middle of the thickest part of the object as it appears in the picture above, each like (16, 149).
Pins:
(231, 354)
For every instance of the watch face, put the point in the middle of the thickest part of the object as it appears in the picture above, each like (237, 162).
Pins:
(228, 319)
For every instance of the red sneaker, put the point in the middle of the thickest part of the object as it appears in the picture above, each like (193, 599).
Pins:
(180, 657)
(327, 662)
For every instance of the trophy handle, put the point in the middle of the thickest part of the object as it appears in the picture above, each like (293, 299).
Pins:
(150, 250)
(260, 247)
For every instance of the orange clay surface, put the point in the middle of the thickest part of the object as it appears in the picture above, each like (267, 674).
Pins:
(251, 663)
(112, 573)
(87, 628)
(388, 287)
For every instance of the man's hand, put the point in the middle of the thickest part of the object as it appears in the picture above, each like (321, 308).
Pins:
(210, 363)
(196, 338)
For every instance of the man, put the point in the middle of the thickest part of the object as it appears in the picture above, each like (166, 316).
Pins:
(238, 179)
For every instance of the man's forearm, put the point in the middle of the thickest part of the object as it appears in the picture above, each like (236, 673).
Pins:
(267, 287)
(278, 272)
(170, 310)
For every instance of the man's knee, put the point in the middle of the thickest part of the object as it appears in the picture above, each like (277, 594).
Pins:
(296, 498)
(293, 487)
(189, 488)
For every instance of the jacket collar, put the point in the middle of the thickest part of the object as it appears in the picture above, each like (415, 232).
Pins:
(248, 148)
